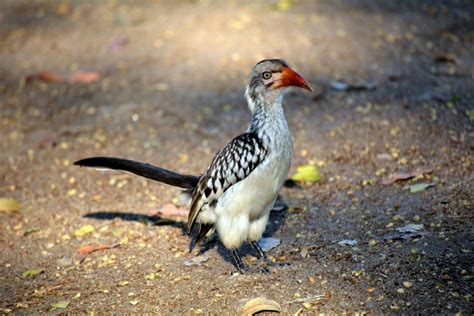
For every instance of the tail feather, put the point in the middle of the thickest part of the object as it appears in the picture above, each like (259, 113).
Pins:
(141, 169)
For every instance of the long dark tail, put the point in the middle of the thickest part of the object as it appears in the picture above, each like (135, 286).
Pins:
(141, 169)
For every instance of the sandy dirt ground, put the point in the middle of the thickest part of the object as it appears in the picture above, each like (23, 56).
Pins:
(163, 82)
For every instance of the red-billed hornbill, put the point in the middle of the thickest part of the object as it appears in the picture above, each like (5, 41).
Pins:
(235, 194)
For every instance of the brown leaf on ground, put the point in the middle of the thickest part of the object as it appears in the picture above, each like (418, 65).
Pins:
(82, 252)
(43, 76)
(76, 77)
(449, 58)
(405, 235)
(400, 175)
(84, 77)
(92, 248)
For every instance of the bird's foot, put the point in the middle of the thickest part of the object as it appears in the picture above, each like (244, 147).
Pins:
(267, 265)
(260, 267)
(239, 264)
(276, 264)
(252, 270)
(263, 263)
(262, 257)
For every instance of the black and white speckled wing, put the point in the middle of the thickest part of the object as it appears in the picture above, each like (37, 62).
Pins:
(230, 165)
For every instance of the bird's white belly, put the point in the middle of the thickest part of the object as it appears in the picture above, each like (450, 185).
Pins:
(252, 195)
(250, 201)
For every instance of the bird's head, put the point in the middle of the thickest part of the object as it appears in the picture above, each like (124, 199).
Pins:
(269, 79)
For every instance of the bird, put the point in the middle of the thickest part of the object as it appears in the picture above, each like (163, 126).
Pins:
(235, 194)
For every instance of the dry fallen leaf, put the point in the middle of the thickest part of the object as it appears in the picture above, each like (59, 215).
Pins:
(410, 228)
(406, 175)
(347, 242)
(196, 261)
(43, 76)
(76, 77)
(399, 235)
(407, 232)
(419, 187)
(9, 205)
(449, 58)
(91, 248)
(260, 304)
(304, 252)
(84, 77)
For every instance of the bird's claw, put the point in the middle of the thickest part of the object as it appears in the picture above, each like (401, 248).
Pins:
(252, 270)
(278, 264)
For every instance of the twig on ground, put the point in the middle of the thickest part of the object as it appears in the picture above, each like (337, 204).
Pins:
(308, 299)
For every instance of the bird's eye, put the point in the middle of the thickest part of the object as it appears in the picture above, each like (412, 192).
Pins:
(266, 75)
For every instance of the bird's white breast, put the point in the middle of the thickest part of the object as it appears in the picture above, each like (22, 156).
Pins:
(251, 199)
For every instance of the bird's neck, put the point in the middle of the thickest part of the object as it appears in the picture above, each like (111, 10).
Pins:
(268, 116)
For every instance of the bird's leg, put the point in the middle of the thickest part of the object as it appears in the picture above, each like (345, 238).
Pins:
(258, 249)
(238, 261)
(262, 256)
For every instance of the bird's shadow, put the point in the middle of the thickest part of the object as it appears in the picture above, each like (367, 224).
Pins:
(276, 220)
(152, 220)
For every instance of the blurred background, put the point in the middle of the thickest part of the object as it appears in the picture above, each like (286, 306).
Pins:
(163, 82)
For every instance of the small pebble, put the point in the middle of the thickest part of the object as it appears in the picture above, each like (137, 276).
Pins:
(394, 307)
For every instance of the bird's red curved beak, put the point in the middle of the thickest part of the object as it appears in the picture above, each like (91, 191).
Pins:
(289, 77)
